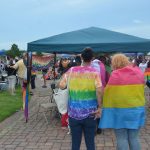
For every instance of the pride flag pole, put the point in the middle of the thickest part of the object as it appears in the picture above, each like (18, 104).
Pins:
(29, 66)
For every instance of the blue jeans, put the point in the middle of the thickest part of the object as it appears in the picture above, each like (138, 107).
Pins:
(127, 139)
(87, 126)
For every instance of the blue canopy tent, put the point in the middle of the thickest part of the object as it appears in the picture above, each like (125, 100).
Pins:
(2, 52)
(101, 40)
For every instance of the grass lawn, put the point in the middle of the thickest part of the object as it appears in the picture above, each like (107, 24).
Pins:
(9, 104)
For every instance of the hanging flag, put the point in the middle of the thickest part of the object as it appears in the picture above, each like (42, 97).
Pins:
(26, 85)
(42, 62)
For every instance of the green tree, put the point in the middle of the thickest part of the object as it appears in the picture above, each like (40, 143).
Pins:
(14, 51)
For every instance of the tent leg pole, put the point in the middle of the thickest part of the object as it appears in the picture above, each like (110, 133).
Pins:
(54, 65)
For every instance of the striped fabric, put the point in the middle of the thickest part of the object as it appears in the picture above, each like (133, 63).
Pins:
(25, 93)
(82, 90)
(123, 101)
(147, 74)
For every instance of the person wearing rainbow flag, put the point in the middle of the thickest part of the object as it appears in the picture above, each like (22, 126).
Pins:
(124, 103)
(84, 105)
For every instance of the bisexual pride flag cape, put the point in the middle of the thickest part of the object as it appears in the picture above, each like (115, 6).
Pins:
(123, 100)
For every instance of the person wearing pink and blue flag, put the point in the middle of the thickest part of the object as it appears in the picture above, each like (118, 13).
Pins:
(124, 103)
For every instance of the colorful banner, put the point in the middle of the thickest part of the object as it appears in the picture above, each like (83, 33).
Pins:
(42, 62)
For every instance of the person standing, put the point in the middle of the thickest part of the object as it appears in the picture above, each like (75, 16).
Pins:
(44, 72)
(85, 92)
(106, 62)
(33, 76)
(147, 72)
(99, 66)
(21, 68)
(11, 77)
(143, 65)
(124, 103)
(2, 66)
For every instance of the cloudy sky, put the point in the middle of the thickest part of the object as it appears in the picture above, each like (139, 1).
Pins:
(23, 21)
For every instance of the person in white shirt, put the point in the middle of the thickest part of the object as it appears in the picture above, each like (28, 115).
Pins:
(143, 65)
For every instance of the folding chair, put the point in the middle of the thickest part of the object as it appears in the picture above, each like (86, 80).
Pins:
(55, 90)
(46, 104)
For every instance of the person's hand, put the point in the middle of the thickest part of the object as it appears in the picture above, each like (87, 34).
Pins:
(97, 113)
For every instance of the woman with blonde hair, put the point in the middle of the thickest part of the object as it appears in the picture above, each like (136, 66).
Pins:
(124, 103)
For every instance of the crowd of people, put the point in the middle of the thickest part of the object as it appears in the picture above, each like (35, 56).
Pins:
(104, 92)
(114, 94)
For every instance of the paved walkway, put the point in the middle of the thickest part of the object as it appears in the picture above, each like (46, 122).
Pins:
(15, 134)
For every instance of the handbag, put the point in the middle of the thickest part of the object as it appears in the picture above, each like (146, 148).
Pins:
(61, 98)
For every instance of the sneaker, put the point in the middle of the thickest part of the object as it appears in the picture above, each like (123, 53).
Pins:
(69, 131)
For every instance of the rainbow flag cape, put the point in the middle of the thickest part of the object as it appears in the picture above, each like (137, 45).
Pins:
(42, 62)
(123, 100)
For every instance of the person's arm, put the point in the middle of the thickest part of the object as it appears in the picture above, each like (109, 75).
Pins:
(99, 94)
(63, 81)
(15, 66)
